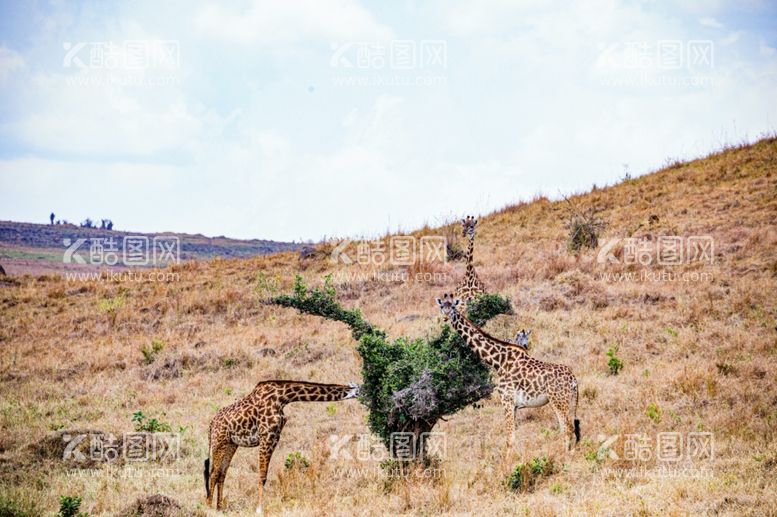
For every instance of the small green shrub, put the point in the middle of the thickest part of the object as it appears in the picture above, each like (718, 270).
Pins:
(151, 425)
(614, 364)
(487, 306)
(331, 409)
(150, 353)
(654, 412)
(295, 460)
(69, 506)
(592, 455)
(526, 475)
(111, 306)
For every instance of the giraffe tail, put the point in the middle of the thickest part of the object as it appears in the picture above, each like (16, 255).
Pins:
(577, 430)
(206, 473)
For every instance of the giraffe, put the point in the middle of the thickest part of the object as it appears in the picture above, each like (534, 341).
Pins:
(521, 380)
(470, 287)
(257, 420)
(522, 339)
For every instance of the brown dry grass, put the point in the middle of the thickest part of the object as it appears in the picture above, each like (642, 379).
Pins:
(704, 353)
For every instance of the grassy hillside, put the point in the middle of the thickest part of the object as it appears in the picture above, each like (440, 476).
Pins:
(697, 342)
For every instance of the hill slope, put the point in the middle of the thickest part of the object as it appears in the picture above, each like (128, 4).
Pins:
(697, 341)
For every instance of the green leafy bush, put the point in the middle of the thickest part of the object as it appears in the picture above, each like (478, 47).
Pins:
(152, 425)
(614, 364)
(487, 306)
(408, 384)
(526, 475)
(69, 506)
(321, 302)
(295, 460)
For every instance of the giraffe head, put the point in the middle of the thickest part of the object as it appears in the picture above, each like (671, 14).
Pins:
(522, 339)
(353, 392)
(468, 227)
(448, 305)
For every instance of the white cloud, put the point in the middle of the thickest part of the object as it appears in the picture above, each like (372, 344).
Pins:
(765, 49)
(271, 23)
(731, 38)
(709, 21)
(10, 61)
(91, 119)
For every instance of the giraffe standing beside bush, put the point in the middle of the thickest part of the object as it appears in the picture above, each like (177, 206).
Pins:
(257, 420)
(521, 381)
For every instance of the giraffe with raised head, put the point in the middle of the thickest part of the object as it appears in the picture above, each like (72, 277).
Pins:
(257, 420)
(520, 380)
(522, 339)
(470, 287)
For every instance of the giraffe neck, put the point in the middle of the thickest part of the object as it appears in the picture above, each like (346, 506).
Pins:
(470, 255)
(484, 346)
(312, 392)
(470, 276)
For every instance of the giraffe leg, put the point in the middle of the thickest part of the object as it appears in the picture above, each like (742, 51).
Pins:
(266, 450)
(216, 456)
(509, 419)
(221, 473)
(564, 423)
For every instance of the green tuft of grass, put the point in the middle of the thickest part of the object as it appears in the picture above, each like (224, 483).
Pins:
(525, 476)
(149, 425)
(296, 460)
(654, 412)
(614, 364)
(150, 353)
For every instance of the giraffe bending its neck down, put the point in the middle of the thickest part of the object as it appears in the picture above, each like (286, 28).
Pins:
(470, 287)
(521, 381)
(257, 420)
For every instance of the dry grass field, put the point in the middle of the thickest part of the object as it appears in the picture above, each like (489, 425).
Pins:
(697, 342)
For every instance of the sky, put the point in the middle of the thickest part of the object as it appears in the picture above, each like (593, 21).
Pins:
(300, 120)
